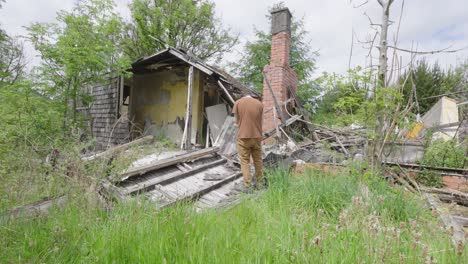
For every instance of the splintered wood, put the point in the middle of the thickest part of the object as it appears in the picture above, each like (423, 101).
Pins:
(202, 176)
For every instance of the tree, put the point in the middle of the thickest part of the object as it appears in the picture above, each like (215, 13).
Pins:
(344, 98)
(79, 50)
(186, 24)
(257, 54)
(12, 59)
(428, 82)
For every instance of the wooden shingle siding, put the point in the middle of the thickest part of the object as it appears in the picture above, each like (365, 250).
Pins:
(106, 127)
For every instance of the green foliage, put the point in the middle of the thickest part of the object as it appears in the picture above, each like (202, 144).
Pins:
(256, 55)
(80, 49)
(12, 61)
(430, 178)
(431, 80)
(185, 24)
(281, 225)
(449, 153)
(344, 99)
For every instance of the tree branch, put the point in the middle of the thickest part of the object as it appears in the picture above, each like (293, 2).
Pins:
(445, 50)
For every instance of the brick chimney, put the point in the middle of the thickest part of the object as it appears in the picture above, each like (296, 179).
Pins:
(279, 74)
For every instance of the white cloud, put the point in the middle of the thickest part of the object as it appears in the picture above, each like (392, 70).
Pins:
(426, 24)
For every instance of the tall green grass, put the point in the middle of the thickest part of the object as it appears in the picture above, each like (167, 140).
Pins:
(309, 218)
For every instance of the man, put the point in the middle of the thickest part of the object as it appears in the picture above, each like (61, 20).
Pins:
(248, 112)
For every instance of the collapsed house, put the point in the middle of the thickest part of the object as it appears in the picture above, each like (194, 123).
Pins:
(170, 93)
(174, 94)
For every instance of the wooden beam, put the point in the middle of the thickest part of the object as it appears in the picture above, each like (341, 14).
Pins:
(310, 126)
(278, 108)
(118, 148)
(187, 137)
(166, 179)
(226, 92)
(168, 162)
(447, 219)
(205, 190)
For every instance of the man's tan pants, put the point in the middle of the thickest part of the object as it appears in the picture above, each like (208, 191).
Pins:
(246, 148)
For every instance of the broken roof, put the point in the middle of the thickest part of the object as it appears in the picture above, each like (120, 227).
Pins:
(172, 56)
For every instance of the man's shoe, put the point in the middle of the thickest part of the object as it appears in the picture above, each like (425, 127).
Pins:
(241, 187)
(262, 184)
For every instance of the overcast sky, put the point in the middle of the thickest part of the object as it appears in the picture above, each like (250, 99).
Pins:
(425, 25)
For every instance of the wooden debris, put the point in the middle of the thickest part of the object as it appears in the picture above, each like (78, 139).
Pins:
(227, 138)
(453, 199)
(226, 92)
(166, 179)
(118, 148)
(304, 113)
(451, 224)
(187, 136)
(421, 167)
(34, 209)
(169, 162)
(205, 190)
(450, 192)
(277, 106)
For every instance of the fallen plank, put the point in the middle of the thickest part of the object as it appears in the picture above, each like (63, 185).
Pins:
(168, 162)
(166, 179)
(446, 191)
(204, 191)
(288, 123)
(447, 219)
(418, 166)
(118, 148)
(111, 192)
(34, 209)
(453, 199)
(461, 220)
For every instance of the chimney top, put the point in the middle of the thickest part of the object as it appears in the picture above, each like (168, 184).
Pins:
(280, 20)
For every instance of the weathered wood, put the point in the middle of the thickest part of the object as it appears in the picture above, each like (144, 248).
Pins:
(226, 92)
(111, 191)
(275, 121)
(207, 142)
(187, 136)
(216, 115)
(453, 199)
(118, 148)
(446, 191)
(168, 162)
(413, 182)
(34, 209)
(447, 219)
(461, 220)
(304, 113)
(341, 145)
(418, 166)
(287, 123)
(205, 190)
(166, 179)
(227, 138)
(278, 107)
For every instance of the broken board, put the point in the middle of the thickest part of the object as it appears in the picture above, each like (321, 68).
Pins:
(216, 116)
(227, 138)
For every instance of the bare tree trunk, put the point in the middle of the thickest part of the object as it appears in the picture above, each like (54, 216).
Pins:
(381, 111)
(383, 47)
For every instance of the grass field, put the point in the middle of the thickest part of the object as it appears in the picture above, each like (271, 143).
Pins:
(308, 218)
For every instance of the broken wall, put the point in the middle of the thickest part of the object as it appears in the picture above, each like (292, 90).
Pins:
(107, 126)
(159, 103)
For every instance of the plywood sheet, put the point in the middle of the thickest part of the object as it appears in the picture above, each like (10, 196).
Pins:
(216, 116)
